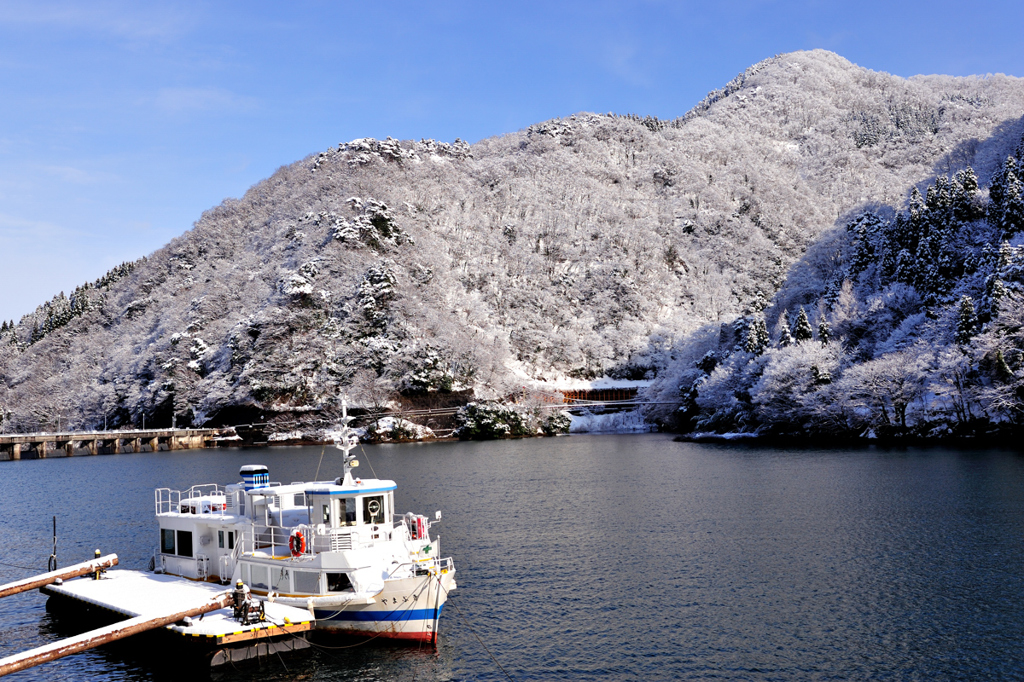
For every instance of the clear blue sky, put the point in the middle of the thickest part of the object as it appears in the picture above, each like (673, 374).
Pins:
(122, 121)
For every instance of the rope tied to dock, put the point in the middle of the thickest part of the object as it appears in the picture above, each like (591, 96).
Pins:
(51, 563)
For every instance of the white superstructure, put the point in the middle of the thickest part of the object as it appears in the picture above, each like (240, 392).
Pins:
(336, 549)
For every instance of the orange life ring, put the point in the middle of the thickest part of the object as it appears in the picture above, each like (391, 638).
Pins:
(297, 543)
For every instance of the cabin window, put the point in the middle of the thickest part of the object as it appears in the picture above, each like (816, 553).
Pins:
(184, 543)
(306, 582)
(220, 539)
(241, 502)
(260, 578)
(299, 500)
(349, 505)
(280, 580)
(373, 509)
(231, 539)
(327, 513)
(338, 582)
(166, 541)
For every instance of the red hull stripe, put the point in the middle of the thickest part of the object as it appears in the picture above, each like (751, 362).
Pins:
(388, 634)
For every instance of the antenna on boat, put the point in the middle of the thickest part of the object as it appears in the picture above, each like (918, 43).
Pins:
(345, 441)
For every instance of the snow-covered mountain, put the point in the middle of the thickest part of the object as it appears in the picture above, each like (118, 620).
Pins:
(597, 245)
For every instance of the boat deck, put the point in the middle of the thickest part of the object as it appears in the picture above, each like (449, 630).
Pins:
(137, 593)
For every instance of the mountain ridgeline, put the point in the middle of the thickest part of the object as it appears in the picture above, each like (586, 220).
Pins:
(814, 248)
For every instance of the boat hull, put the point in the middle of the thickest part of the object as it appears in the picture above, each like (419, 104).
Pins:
(406, 609)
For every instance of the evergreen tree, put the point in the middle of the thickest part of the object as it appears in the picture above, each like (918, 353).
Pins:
(1003, 370)
(926, 275)
(906, 268)
(1012, 218)
(997, 294)
(939, 197)
(965, 194)
(757, 336)
(889, 257)
(1005, 255)
(824, 332)
(918, 220)
(997, 191)
(785, 337)
(865, 230)
(967, 321)
(802, 331)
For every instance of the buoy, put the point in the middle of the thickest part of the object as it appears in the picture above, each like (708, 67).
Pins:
(297, 543)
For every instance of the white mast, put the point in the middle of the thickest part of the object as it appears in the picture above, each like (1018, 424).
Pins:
(346, 440)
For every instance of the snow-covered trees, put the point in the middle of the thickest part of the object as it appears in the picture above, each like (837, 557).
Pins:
(1006, 198)
(757, 339)
(488, 421)
(784, 334)
(802, 330)
(580, 247)
(786, 395)
(824, 332)
(887, 387)
(966, 321)
(894, 295)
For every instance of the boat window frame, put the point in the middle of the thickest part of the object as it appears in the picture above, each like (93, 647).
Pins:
(300, 589)
(340, 576)
(180, 546)
(165, 546)
(351, 510)
(365, 509)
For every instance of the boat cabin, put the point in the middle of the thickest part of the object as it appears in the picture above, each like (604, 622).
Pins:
(209, 532)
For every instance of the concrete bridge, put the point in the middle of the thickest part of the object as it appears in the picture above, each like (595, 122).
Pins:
(72, 443)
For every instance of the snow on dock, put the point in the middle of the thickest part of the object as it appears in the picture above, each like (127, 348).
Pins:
(137, 593)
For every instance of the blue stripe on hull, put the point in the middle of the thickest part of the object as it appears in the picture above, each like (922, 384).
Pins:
(408, 614)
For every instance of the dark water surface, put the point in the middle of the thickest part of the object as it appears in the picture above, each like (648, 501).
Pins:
(612, 558)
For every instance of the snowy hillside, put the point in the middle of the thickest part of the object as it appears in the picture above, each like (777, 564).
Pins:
(597, 245)
(899, 323)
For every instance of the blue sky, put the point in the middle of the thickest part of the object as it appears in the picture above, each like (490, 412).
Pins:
(121, 122)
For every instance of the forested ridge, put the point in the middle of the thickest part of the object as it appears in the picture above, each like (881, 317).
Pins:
(764, 258)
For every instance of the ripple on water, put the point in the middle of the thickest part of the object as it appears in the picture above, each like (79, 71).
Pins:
(615, 557)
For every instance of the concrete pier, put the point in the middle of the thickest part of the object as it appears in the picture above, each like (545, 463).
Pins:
(76, 443)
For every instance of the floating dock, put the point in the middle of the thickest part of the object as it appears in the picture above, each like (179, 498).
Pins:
(217, 634)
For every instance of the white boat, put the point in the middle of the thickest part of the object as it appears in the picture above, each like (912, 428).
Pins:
(336, 549)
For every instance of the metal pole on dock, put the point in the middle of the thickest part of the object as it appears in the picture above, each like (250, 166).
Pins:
(84, 568)
(111, 633)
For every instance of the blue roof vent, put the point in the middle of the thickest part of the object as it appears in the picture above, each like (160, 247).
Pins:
(254, 476)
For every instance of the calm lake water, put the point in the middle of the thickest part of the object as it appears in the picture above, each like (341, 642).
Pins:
(612, 558)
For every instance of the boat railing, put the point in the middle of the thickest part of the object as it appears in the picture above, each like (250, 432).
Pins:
(336, 540)
(432, 565)
(275, 538)
(168, 500)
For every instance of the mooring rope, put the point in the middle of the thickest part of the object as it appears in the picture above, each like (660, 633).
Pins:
(24, 568)
(320, 462)
(367, 460)
(470, 627)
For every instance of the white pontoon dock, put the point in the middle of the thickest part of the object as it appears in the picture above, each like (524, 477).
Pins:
(137, 593)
